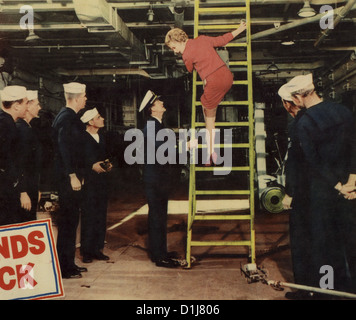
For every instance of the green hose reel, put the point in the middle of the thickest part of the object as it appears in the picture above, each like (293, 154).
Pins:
(271, 199)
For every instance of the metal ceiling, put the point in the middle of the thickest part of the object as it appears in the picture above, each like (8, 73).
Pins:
(106, 37)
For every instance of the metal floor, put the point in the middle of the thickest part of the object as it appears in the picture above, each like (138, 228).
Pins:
(130, 274)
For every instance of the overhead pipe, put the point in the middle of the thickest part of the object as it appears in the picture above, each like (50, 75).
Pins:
(339, 16)
(177, 8)
(344, 78)
(101, 17)
(178, 17)
(288, 26)
(103, 72)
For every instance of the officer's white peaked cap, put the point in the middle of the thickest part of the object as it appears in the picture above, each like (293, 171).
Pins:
(74, 87)
(32, 95)
(303, 82)
(13, 93)
(89, 115)
(284, 93)
(148, 100)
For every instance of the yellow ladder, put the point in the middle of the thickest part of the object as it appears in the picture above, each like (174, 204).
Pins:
(203, 10)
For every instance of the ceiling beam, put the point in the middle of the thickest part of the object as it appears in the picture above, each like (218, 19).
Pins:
(145, 25)
(13, 7)
(291, 25)
(43, 27)
(190, 23)
(190, 3)
(103, 72)
(37, 7)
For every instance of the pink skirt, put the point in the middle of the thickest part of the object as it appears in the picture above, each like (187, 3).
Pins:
(217, 85)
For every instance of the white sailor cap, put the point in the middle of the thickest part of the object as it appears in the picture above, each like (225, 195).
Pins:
(148, 100)
(74, 87)
(284, 93)
(32, 95)
(89, 115)
(13, 93)
(303, 82)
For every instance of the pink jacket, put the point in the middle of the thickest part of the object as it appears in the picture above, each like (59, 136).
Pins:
(200, 54)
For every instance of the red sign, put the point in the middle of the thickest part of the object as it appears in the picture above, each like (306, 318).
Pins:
(29, 267)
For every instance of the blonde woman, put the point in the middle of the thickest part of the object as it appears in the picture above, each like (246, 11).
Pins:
(200, 54)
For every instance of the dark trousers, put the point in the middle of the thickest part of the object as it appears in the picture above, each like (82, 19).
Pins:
(300, 242)
(157, 198)
(68, 219)
(348, 238)
(93, 218)
(333, 244)
(9, 209)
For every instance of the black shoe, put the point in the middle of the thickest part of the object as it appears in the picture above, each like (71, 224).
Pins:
(172, 255)
(80, 269)
(298, 295)
(72, 274)
(87, 258)
(100, 256)
(321, 296)
(167, 263)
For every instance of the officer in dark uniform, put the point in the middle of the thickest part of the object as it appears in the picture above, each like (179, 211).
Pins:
(297, 200)
(68, 133)
(155, 181)
(14, 106)
(95, 189)
(30, 160)
(326, 134)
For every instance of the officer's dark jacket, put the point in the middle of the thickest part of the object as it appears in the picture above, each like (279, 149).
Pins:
(30, 160)
(153, 172)
(295, 164)
(327, 137)
(68, 133)
(10, 175)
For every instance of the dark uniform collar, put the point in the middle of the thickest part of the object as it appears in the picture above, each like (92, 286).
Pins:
(154, 118)
(6, 115)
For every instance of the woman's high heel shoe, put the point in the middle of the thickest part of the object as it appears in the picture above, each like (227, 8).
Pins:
(212, 160)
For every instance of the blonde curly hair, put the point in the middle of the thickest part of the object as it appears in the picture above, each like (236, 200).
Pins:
(176, 35)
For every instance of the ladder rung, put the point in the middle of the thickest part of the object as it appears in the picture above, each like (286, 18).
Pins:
(223, 217)
(240, 82)
(234, 145)
(228, 103)
(222, 10)
(238, 63)
(218, 26)
(201, 169)
(222, 192)
(236, 44)
(220, 243)
(224, 124)
(235, 103)
(227, 145)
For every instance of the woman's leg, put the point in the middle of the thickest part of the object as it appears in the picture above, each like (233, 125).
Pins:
(210, 116)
